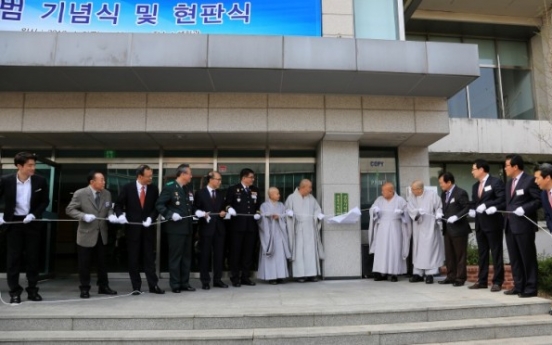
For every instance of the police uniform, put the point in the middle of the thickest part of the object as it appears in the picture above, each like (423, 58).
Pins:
(177, 199)
(243, 230)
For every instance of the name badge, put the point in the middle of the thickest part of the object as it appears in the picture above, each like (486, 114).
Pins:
(191, 197)
(107, 204)
(519, 192)
(451, 201)
(488, 188)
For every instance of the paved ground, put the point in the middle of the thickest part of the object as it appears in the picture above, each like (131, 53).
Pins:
(61, 298)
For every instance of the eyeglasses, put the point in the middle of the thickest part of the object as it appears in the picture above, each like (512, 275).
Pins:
(218, 179)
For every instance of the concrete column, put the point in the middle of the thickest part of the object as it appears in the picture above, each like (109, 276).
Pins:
(338, 172)
(413, 165)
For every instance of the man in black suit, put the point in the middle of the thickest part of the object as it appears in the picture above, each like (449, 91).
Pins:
(543, 179)
(522, 200)
(209, 208)
(243, 199)
(487, 198)
(136, 204)
(456, 204)
(175, 204)
(26, 198)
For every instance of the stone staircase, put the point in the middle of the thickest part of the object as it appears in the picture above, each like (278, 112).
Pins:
(521, 322)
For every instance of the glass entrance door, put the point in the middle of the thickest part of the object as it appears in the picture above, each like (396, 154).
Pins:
(51, 172)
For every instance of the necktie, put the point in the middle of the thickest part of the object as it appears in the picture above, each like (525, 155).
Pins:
(447, 197)
(513, 186)
(247, 190)
(142, 196)
(550, 198)
(480, 192)
(213, 196)
(97, 199)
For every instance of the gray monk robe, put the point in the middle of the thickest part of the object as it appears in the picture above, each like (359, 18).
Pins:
(274, 251)
(389, 235)
(304, 235)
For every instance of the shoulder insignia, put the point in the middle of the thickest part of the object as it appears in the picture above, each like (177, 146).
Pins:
(169, 183)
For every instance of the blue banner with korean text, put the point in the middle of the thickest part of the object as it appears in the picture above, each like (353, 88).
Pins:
(234, 17)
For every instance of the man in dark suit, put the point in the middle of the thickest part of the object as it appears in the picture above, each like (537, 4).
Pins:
(487, 198)
(209, 208)
(543, 179)
(91, 206)
(456, 204)
(522, 200)
(242, 203)
(26, 198)
(137, 201)
(175, 205)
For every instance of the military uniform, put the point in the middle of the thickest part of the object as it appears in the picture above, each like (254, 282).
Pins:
(177, 199)
(243, 229)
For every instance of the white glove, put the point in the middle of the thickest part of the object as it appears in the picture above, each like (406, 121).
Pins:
(257, 216)
(146, 223)
(176, 217)
(29, 218)
(113, 218)
(231, 211)
(2, 221)
(208, 219)
(89, 218)
(200, 214)
(491, 210)
(471, 214)
(439, 215)
(452, 219)
(228, 215)
(481, 208)
(398, 211)
(519, 211)
(320, 216)
(289, 213)
(421, 212)
(122, 219)
(376, 209)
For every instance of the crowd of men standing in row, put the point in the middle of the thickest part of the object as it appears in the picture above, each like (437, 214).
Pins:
(439, 227)
(290, 232)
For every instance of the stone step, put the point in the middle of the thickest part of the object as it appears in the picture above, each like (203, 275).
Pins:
(385, 334)
(254, 319)
(542, 340)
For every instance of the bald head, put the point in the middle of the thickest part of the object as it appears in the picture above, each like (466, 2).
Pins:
(273, 194)
(388, 190)
(305, 187)
(417, 187)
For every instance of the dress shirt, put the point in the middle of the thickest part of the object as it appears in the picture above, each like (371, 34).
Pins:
(23, 197)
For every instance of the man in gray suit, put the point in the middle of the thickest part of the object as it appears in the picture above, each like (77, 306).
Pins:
(92, 206)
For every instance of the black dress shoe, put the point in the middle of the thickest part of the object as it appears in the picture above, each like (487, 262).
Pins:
(477, 286)
(106, 290)
(136, 292)
(301, 280)
(511, 292)
(247, 282)
(187, 288)
(156, 289)
(32, 294)
(314, 279)
(16, 299)
(85, 294)
(206, 286)
(176, 290)
(394, 279)
(236, 283)
(220, 284)
(458, 283)
(273, 282)
(527, 294)
(380, 277)
(416, 279)
(445, 282)
(496, 288)
(429, 279)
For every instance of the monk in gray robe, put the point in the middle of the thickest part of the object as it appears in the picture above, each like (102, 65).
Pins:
(303, 227)
(425, 208)
(274, 253)
(389, 234)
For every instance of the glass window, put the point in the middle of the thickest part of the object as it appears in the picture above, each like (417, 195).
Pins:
(487, 51)
(376, 19)
(513, 53)
(518, 96)
(286, 177)
(444, 39)
(482, 91)
(458, 104)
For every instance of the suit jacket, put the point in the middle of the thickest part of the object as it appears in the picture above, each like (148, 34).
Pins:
(492, 195)
(243, 203)
(204, 202)
(83, 203)
(526, 195)
(39, 196)
(176, 199)
(547, 209)
(129, 202)
(458, 205)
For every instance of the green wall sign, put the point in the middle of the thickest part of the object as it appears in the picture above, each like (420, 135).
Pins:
(341, 203)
